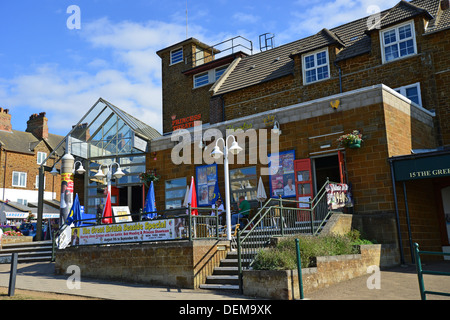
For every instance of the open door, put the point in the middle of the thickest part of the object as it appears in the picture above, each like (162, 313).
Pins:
(342, 172)
(303, 181)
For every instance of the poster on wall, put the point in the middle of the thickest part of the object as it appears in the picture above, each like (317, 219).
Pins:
(125, 232)
(282, 181)
(207, 185)
(66, 194)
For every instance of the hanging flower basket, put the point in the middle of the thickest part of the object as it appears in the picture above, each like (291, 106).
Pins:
(148, 177)
(352, 140)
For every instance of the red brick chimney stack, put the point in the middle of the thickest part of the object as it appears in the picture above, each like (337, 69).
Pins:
(37, 125)
(5, 120)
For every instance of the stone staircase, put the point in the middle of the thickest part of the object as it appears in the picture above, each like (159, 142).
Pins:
(226, 275)
(28, 252)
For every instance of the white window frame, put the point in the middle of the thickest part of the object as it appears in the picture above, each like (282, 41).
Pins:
(205, 79)
(41, 156)
(211, 76)
(402, 91)
(36, 185)
(305, 69)
(398, 41)
(19, 175)
(173, 52)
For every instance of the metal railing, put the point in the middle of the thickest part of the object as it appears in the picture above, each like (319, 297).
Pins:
(421, 272)
(221, 49)
(280, 217)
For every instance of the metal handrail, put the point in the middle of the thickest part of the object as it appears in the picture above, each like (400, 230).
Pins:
(281, 220)
(421, 272)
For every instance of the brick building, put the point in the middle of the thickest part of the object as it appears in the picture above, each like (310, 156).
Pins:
(21, 154)
(386, 76)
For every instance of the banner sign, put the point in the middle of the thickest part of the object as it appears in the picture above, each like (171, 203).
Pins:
(337, 195)
(158, 230)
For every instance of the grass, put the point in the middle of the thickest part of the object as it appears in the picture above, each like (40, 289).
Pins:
(284, 255)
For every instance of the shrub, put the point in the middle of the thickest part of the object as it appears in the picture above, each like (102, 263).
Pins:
(284, 255)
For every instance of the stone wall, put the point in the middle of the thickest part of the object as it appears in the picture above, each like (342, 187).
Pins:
(180, 264)
(283, 285)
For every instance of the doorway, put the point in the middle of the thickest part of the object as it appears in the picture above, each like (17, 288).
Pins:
(327, 167)
(132, 197)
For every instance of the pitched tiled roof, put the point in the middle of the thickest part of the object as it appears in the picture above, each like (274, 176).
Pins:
(25, 142)
(353, 37)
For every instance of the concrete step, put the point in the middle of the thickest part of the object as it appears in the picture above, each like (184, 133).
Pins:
(219, 287)
(225, 270)
(223, 279)
(38, 251)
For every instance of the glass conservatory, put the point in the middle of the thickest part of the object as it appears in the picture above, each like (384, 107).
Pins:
(107, 138)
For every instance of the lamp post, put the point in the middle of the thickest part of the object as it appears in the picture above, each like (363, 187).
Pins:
(216, 154)
(118, 174)
(67, 171)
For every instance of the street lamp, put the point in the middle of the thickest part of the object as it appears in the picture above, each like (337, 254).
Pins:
(216, 154)
(80, 169)
(118, 174)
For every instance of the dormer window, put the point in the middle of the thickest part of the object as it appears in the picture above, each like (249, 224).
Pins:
(209, 76)
(398, 42)
(316, 67)
(176, 56)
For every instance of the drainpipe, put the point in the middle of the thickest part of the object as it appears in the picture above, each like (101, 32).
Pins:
(340, 76)
(402, 256)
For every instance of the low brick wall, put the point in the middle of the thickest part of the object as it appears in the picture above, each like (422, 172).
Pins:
(283, 285)
(180, 264)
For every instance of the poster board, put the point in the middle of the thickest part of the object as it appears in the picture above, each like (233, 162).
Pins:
(121, 214)
(207, 185)
(282, 181)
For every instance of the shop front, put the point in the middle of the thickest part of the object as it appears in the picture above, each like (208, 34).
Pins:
(295, 160)
(423, 188)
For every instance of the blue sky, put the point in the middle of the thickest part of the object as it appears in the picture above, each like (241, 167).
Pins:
(47, 67)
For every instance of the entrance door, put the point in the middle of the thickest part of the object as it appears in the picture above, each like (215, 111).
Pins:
(303, 180)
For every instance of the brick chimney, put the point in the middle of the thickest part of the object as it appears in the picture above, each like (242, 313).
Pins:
(37, 125)
(80, 132)
(445, 4)
(5, 120)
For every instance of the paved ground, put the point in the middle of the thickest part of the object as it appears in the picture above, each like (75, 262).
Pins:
(399, 283)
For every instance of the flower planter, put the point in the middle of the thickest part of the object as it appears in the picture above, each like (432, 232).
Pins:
(355, 145)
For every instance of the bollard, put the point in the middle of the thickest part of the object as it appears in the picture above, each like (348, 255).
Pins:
(12, 275)
(299, 267)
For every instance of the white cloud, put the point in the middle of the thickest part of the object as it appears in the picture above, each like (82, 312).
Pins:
(310, 19)
(127, 73)
(245, 17)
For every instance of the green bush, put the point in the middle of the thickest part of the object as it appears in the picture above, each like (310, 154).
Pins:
(284, 255)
